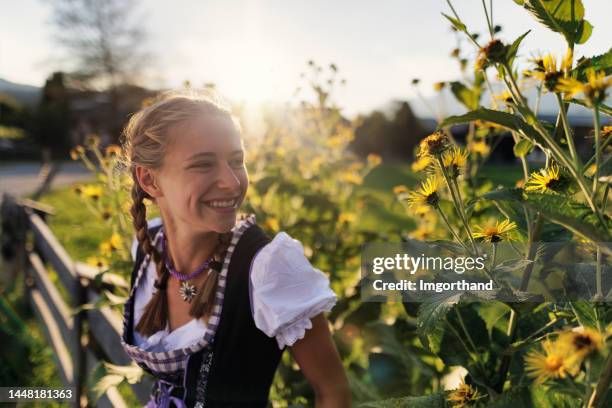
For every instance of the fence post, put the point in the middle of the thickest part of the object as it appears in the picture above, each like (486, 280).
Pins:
(14, 226)
(79, 298)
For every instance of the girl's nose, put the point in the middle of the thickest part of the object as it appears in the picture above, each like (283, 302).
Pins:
(227, 178)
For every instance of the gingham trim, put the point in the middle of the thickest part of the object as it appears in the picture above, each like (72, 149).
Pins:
(175, 360)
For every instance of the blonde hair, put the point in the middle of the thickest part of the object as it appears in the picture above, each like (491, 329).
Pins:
(145, 143)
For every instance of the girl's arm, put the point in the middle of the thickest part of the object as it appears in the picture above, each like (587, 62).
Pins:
(318, 358)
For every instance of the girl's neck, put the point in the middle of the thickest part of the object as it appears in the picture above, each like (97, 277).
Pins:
(188, 249)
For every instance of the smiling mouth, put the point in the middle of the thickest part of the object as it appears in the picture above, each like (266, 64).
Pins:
(230, 203)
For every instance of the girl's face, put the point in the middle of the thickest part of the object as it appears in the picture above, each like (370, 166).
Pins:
(203, 179)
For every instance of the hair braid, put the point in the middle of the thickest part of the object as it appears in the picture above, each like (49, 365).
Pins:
(156, 311)
(204, 301)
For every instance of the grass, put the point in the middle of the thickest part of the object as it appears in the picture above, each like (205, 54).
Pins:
(73, 224)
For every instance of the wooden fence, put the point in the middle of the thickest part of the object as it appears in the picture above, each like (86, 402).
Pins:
(79, 340)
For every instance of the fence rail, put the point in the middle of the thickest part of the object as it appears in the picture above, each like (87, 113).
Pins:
(33, 249)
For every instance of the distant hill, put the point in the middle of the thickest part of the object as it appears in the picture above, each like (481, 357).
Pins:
(27, 95)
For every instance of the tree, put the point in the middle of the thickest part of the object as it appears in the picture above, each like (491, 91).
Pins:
(393, 138)
(104, 45)
(51, 124)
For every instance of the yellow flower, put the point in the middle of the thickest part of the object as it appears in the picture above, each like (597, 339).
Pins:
(438, 86)
(374, 159)
(105, 249)
(422, 233)
(547, 71)
(400, 189)
(427, 194)
(505, 97)
(352, 178)
(92, 140)
(98, 262)
(454, 161)
(115, 241)
(272, 224)
(434, 144)
(421, 163)
(346, 218)
(582, 341)
(463, 396)
(480, 147)
(421, 210)
(546, 180)
(485, 124)
(594, 89)
(113, 151)
(77, 152)
(93, 192)
(555, 362)
(496, 233)
(493, 52)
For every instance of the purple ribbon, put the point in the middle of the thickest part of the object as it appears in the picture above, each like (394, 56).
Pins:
(165, 397)
(178, 275)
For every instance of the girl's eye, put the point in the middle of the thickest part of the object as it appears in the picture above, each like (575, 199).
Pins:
(237, 163)
(203, 165)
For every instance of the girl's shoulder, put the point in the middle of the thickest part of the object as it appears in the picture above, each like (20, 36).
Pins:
(287, 290)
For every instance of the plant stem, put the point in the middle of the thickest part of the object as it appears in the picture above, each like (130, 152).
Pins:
(599, 296)
(568, 135)
(533, 235)
(597, 152)
(452, 231)
(505, 363)
(457, 17)
(465, 330)
(489, 22)
(536, 108)
(598, 397)
(464, 213)
(603, 147)
(458, 206)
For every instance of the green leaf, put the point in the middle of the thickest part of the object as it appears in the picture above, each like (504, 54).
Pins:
(426, 401)
(514, 397)
(575, 217)
(468, 97)
(513, 49)
(603, 108)
(601, 62)
(459, 26)
(430, 319)
(523, 148)
(507, 120)
(544, 397)
(103, 384)
(565, 17)
(585, 313)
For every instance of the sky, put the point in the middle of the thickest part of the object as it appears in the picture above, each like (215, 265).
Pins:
(255, 50)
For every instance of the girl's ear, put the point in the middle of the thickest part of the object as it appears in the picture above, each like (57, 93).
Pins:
(147, 179)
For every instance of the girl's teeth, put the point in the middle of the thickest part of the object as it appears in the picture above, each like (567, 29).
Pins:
(222, 204)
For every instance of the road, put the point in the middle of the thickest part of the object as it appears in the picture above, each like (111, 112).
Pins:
(22, 178)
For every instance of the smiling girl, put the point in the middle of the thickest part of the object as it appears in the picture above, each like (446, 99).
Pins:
(214, 301)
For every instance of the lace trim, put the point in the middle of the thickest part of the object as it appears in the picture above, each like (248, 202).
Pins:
(291, 332)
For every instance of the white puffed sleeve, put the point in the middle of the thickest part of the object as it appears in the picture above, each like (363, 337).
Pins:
(287, 291)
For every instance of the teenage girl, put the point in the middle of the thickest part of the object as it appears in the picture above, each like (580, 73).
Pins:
(214, 301)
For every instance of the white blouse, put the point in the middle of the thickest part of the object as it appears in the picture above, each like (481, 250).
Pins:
(286, 291)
